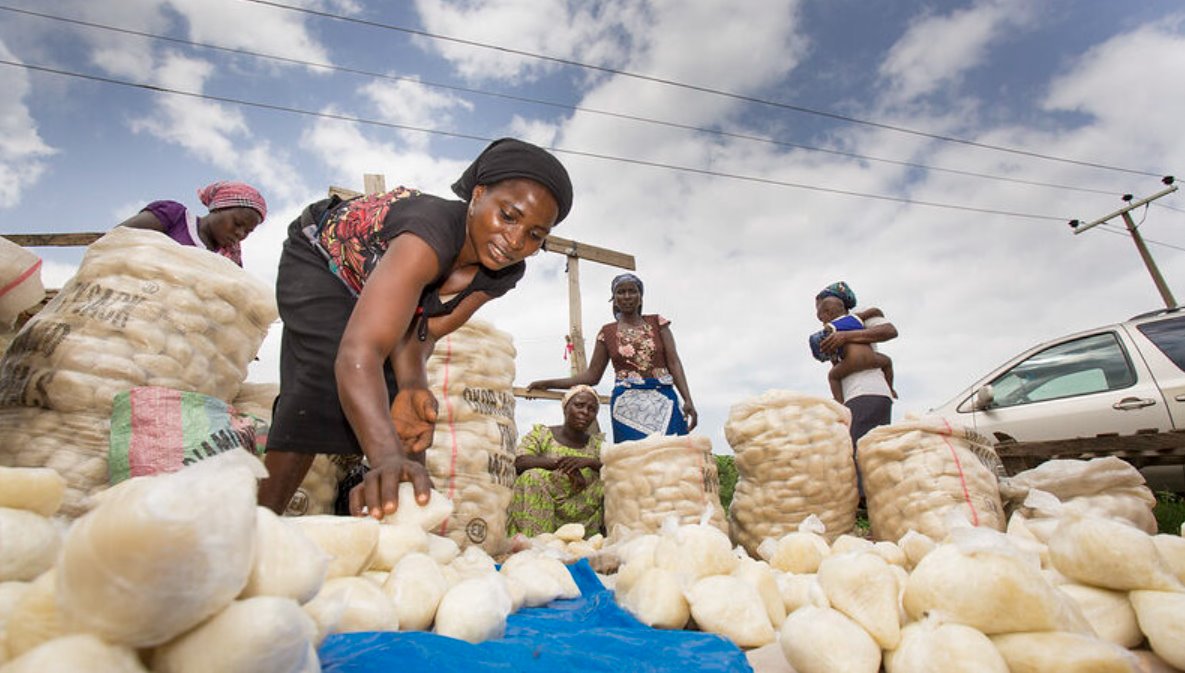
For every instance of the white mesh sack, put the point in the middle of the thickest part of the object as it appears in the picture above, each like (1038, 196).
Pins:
(141, 311)
(471, 460)
(917, 471)
(75, 445)
(793, 459)
(648, 480)
(1107, 487)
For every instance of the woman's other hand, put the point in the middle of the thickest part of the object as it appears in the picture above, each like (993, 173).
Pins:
(574, 464)
(414, 413)
(378, 494)
(690, 414)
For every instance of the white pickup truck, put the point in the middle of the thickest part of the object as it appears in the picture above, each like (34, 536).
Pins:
(1113, 390)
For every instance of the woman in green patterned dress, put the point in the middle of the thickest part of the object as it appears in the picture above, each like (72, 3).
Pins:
(559, 470)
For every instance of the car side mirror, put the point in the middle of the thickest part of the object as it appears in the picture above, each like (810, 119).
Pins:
(983, 398)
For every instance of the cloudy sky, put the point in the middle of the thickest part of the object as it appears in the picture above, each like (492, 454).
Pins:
(746, 153)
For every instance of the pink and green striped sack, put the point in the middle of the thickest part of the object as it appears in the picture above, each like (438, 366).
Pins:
(155, 430)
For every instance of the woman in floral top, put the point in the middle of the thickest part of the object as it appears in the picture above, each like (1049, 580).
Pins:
(559, 468)
(647, 369)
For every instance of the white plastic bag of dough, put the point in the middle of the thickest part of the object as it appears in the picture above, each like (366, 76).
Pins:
(35, 618)
(475, 610)
(1107, 487)
(36, 489)
(351, 605)
(1063, 652)
(864, 588)
(29, 545)
(798, 552)
(1162, 618)
(915, 545)
(442, 549)
(656, 599)
(416, 586)
(160, 554)
(799, 591)
(730, 607)
(473, 562)
(693, 551)
(637, 556)
(1109, 612)
(890, 552)
(10, 594)
(544, 578)
(378, 577)
(930, 646)
(1172, 552)
(266, 633)
(1109, 554)
(395, 542)
(427, 517)
(822, 640)
(79, 653)
(984, 582)
(847, 543)
(760, 576)
(570, 532)
(287, 563)
(349, 541)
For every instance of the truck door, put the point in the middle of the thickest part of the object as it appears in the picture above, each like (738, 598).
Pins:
(1166, 361)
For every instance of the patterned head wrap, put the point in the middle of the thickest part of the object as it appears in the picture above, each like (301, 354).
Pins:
(576, 390)
(840, 291)
(625, 278)
(509, 158)
(230, 194)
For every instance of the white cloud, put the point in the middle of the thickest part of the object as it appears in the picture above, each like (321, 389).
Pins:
(412, 104)
(938, 49)
(23, 154)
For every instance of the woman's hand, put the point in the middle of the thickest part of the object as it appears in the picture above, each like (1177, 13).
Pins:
(834, 342)
(690, 414)
(414, 413)
(379, 491)
(574, 464)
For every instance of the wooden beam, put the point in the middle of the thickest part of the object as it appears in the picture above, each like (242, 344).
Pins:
(572, 248)
(1142, 449)
(343, 193)
(55, 240)
(373, 183)
(575, 313)
(549, 395)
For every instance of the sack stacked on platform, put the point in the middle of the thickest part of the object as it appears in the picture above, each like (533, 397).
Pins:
(793, 459)
(141, 311)
(471, 460)
(650, 479)
(917, 471)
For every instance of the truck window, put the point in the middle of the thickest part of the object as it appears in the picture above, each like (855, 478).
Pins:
(1092, 364)
(1169, 337)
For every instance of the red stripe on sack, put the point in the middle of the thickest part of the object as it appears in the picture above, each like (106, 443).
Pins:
(157, 439)
(21, 278)
(962, 478)
(452, 430)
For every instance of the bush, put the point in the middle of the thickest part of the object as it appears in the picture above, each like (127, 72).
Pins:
(727, 469)
(1170, 512)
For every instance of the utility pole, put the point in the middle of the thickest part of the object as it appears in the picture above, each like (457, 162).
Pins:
(1141, 247)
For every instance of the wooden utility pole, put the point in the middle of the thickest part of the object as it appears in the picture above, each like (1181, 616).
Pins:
(1141, 247)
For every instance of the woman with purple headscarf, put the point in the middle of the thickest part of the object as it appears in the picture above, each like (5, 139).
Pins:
(236, 208)
(646, 365)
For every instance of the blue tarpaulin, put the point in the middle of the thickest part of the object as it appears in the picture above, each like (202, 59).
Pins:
(584, 635)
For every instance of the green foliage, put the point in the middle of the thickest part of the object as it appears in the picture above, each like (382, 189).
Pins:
(727, 469)
(1170, 512)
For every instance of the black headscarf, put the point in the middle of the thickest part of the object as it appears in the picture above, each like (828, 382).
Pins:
(510, 158)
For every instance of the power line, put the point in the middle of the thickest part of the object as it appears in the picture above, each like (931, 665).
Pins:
(525, 99)
(453, 134)
(1112, 229)
(701, 89)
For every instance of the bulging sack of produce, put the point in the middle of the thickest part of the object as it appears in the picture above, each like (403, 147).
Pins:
(1063, 652)
(981, 580)
(648, 480)
(931, 646)
(35, 489)
(20, 281)
(78, 653)
(823, 640)
(155, 430)
(471, 460)
(141, 311)
(256, 399)
(918, 470)
(29, 545)
(1109, 488)
(160, 554)
(258, 634)
(793, 459)
(317, 494)
(75, 445)
(1160, 614)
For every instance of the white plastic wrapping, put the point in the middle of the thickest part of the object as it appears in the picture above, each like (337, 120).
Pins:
(258, 634)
